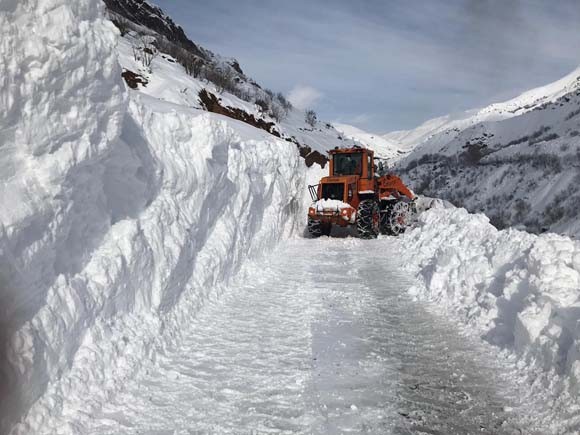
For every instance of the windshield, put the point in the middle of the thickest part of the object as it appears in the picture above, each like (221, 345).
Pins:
(348, 164)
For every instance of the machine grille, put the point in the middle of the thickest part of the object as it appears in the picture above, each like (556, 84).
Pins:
(333, 191)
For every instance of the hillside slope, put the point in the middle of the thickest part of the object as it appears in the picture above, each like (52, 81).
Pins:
(160, 60)
(166, 80)
(383, 148)
(153, 19)
(518, 162)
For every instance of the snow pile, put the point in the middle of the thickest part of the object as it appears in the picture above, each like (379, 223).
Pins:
(520, 291)
(330, 204)
(424, 203)
(119, 216)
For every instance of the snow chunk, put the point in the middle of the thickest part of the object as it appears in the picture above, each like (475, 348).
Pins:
(330, 204)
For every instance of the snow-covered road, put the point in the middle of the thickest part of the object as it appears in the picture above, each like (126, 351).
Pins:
(319, 338)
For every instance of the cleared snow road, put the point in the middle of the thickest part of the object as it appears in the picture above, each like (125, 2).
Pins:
(320, 338)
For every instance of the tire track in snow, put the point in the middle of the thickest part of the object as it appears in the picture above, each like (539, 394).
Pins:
(319, 337)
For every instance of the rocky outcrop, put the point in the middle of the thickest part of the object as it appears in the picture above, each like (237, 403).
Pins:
(211, 103)
(133, 79)
(142, 13)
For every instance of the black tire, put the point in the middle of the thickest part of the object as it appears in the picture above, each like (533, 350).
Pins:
(367, 219)
(317, 228)
(385, 227)
(314, 228)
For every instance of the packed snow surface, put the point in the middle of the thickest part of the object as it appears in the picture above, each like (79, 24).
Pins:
(519, 291)
(317, 337)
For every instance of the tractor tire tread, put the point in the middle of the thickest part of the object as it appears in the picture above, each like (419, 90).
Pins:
(365, 222)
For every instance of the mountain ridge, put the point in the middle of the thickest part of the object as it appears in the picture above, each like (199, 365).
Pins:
(518, 161)
(527, 101)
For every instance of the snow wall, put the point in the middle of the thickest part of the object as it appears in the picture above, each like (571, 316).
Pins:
(119, 214)
(518, 290)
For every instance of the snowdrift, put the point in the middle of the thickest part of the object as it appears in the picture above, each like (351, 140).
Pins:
(62, 109)
(518, 290)
(119, 215)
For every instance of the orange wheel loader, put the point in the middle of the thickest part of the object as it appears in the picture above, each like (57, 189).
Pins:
(353, 194)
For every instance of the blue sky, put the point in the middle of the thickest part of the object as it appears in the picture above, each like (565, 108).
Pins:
(385, 65)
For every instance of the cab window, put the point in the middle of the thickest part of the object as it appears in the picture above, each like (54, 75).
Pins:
(348, 164)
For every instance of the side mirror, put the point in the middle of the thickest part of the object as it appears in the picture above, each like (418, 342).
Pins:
(381, 167)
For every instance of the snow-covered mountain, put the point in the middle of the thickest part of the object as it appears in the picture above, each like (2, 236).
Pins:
(450, 125)
(516, 161)
(384, 148)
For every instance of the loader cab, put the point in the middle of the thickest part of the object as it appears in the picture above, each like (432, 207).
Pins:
(352, 161)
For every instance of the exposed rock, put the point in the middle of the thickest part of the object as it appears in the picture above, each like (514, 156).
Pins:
(236, 66)
(152, 17)
(212, 104)
(133, 79)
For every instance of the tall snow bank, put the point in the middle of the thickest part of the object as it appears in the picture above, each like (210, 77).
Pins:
(520, 291)
(118, 217)
(191, 196)
(62, 104)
